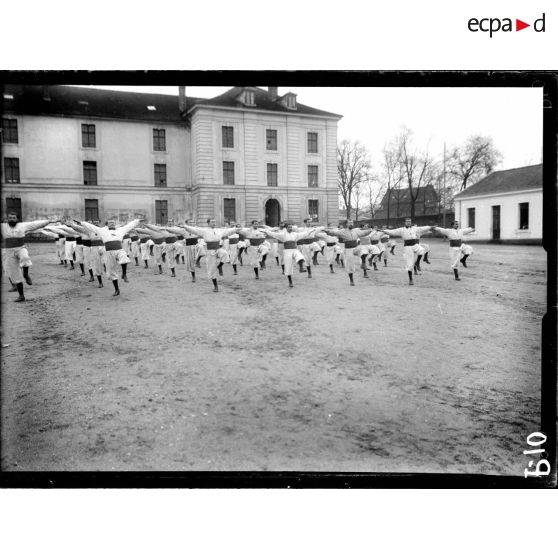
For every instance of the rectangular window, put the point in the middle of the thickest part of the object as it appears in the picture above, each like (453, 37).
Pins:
(161, 212)
(312, 142)
(88, 135)
(14, 205)
(271, 140)
(471, 217)
(159, 140)
(91, 210)
(227, 135)
(272, 174)
(229, 210)
(11, 170)
(228, 172)
(313, 209)
(524, 216)
(312, 176)
(9, 130)
(90, 173)
(160, 175)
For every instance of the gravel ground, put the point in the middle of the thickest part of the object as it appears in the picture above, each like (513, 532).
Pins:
(382, 377)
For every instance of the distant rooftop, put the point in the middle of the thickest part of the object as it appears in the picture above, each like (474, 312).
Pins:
(504, 181)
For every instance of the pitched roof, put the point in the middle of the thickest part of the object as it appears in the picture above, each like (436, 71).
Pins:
(500, 182)
(86, 102)
(404, 196)
(262, 100)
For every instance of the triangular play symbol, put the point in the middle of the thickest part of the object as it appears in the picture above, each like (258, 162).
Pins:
(519, 25)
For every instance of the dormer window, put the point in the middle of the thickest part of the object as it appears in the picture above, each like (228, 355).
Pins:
(289, 101)
(249, 98)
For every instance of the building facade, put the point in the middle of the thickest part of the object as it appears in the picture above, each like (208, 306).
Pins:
(94, 154)
(505, 206)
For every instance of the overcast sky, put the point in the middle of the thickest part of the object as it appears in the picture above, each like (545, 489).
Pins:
(511, 116)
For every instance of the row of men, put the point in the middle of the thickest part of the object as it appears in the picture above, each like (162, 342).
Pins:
(110, 247)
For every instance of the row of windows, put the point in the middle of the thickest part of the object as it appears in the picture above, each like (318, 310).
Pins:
(523, 209)
(227, 139)
(89, 139)
(11, 173)
(272, 174)
(161, 209)
(88, 135)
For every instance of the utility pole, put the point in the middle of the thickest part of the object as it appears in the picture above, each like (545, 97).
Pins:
(444, 192)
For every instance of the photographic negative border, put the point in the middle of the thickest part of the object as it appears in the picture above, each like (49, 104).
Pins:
(547, 80)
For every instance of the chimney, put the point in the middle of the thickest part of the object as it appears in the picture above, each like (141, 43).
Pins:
(273, 94)
(181, 98)
(46, 93)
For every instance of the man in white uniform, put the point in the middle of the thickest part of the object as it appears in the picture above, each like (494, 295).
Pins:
(215, 254)
(14, 252)
(411, 249)
(329, 249)
(458, 251)
(255, 238)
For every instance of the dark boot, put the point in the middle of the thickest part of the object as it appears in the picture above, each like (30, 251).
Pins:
(215, 287)
(220, 269)
(173, 274)
(363, 260)
(193, 276)
(410, 277)
(198, 261)
(263, 261)
(82, 269)
(417, 263)
(146, 265)
(300, 264)
(425, 259)
(235, 270)
(337, 259)
(277, 260)
(331, 268)
(415, 269)
(392, 250)
(365, 273)
(290, 281)
(65, 263)
(137, 262)
(256, 272)
(100, 279)
(385, 263)
(351, 279)
(315, 258)
(91, 277)
(116, 289)
(105, 267)
(375, 266)
(26, 275)
(282, 269)
(124, 278)
(14, 288)
(72, 264)
(456, 274)
(183, 260)
(463, 260)
(309, 270)
(164, 257)
(160, 270)
(177, 258)
(20, 298)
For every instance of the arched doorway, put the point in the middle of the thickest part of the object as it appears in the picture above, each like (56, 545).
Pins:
(272, 213)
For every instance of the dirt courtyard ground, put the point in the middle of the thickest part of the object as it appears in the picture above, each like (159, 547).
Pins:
(381, 377)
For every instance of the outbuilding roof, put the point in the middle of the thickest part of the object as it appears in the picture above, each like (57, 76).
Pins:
(505, 181)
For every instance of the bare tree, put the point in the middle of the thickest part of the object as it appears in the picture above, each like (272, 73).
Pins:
(392, 175)
(473, 160)
(354, 170)
(374, 191)
(416, 167)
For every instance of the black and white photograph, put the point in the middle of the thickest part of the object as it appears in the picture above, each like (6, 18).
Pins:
(289, 278)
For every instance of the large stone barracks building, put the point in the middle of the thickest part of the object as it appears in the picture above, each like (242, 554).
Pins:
(97, 154)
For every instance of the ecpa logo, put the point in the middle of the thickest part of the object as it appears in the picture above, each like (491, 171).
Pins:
(494, 24)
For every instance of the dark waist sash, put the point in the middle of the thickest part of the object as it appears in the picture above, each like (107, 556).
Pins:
(71, 238)
(12, 242)
(179, 237)
(96, 242)
(411, 242)
(384, 239)
(87, 242)
(158, 240)
(212, 245)
(113, 245)
(134, 238)
(350, 244)
(456, 243)
(290, 245)
(256, 241)
(331, 243)
(126, 236)
(303, 241)
(79, 240)
(171, 239)
(61, 237)
(242, 236)
(191, 241)
(374, 241)
(342, 240)
(233, 241)
(143, 240)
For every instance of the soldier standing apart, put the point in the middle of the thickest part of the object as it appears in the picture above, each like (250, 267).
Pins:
(458, 251)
